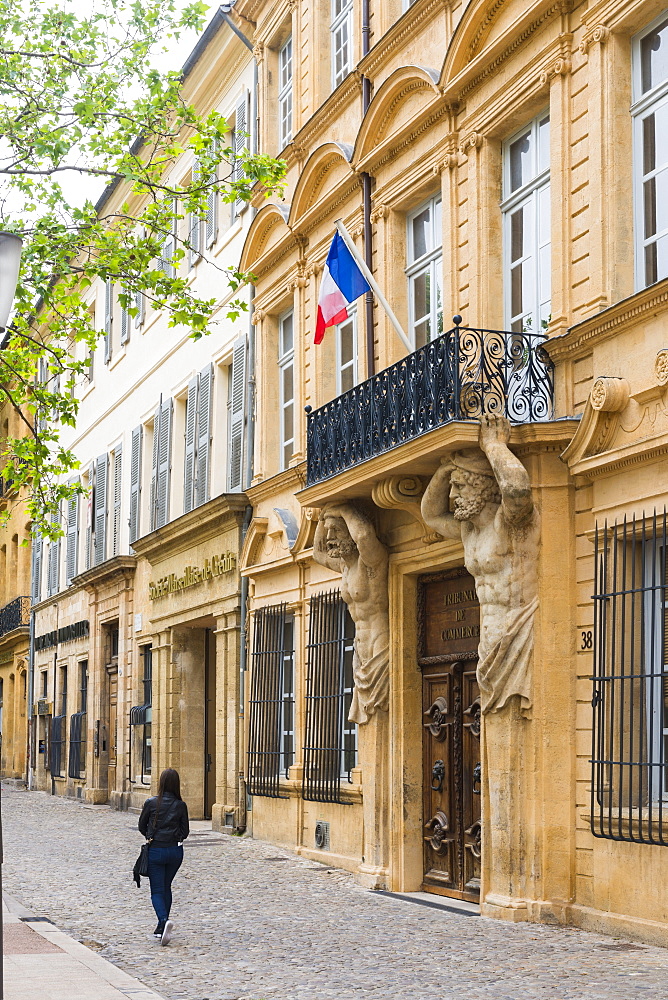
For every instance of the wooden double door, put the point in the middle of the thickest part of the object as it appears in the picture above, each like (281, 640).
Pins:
(449, 636)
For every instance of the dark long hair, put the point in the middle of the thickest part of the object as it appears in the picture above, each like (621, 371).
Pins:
(169, 782)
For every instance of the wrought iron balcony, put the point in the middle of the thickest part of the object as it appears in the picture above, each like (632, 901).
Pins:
(459, 376)
(15, 615)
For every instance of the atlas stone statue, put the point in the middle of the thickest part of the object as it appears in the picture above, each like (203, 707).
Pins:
(346, 542)
(494, 515)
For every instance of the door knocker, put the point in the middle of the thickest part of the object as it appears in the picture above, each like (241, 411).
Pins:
(437, 775)
(477, 776)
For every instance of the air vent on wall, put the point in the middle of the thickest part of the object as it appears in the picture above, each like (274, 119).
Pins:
(322, 835)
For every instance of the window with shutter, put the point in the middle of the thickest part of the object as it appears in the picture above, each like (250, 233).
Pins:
(125, 326)
(100, 526)
(154, 466)
(166, 263)
(108, 319)
(72, 537)
(204, 397)
(135, 483)
(191, 445)
(164, 464)
(36, 574)
(194, 226)
(240, 144)
(236, 415)
(211, 217)
(140, 306)
(118, 495)
(53, 573)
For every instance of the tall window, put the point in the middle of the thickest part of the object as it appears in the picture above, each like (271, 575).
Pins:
(650, 151)
(425, 272)
(285, 93)
(629, 792)
(346, 353)
(77, 759)
(526, 228)
(141, 718)
(271, 746)
(342, 33)
(330, 751)
(286, 369)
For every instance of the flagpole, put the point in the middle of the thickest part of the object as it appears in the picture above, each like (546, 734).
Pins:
(361, 263)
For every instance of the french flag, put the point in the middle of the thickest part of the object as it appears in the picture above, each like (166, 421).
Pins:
(342, 283)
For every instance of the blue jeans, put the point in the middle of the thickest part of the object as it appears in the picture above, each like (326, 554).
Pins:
(163, 864)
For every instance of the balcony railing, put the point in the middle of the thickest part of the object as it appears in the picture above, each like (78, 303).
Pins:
(459, 376)
(14, 615)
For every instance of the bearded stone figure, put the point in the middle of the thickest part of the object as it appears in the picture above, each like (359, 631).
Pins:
(494, 516)
(346, 542)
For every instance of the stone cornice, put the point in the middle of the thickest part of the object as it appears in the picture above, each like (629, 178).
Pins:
(106, 572)
(332, 108)
(290, 479)
(581, 338)
(398, 141)
(200, 525)
(415, 17)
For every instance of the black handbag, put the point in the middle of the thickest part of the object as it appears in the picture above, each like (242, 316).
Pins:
(141, 864)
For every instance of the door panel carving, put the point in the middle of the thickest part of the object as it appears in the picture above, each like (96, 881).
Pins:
(449, 625)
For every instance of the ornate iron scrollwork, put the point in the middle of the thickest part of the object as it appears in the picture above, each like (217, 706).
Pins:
(440, 828)
(437, 775)
(473, 839)
(437, 719)
(458, 376)
(473, 712)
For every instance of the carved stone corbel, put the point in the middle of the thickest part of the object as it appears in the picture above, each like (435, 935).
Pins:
(609, 394)
(608, 397)
(596, 36)
(473, 140)
(258, 316)
(560, 67)
(258, 51)
(380, 212)
(402, 493)
(661, 367)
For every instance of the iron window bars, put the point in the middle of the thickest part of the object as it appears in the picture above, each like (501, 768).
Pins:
(271, 737)
(56, 745)
(331, 740)
(629, 788)
(142, 715)
(77, 758)
(457, 376)
(16, 614)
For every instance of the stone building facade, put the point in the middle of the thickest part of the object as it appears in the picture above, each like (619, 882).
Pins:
(472, 152)
(138, 607)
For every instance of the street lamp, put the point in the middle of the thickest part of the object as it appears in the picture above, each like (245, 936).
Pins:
(10, 260)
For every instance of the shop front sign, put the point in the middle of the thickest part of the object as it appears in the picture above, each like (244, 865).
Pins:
(193, 575)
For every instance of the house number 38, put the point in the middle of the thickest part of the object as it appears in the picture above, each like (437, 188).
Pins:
(587, 639)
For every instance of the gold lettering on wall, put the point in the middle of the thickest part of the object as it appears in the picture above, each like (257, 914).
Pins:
(193, 575)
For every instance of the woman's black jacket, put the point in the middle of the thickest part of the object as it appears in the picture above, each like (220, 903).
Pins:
(172, 825)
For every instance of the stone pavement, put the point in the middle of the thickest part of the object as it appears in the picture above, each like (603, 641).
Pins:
(42, 963)
(254, 922)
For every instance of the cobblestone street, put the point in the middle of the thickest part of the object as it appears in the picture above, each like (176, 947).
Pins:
(256, 923)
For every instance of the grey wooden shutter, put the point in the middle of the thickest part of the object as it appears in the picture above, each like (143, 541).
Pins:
(118, 496)
(240, 143)
(101, 508)
(140, 306)
(90, 507)
(125, 326)
(154, 466)
(236, 415)
(108, 319)
(203, 434)
(53, 572)
(164, 464)
(36, 573)
(72, 537)
(40, 413)
(195, 225)
(168, 246)
(211, 217)
(135, 483)
(191, 445)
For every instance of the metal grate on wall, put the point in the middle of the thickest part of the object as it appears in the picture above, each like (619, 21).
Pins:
(271, 735)
(77, 759)
(629, 788)
(58, 723)
(330, 752)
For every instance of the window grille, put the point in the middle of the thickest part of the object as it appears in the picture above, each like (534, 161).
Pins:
(271, 746)
(56, 745)
(629, 788)
(331, 739)
(77, 761)
(141, 717)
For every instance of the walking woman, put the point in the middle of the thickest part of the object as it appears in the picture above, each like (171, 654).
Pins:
(164, 823)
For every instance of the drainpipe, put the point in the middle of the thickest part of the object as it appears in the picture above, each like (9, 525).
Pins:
(366, 202)
(32, 735)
